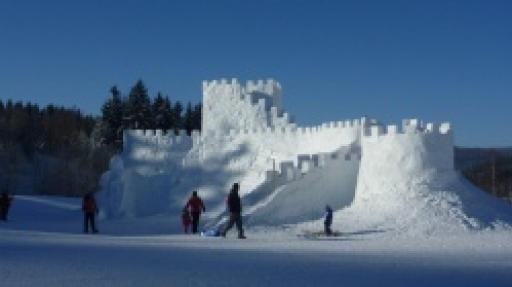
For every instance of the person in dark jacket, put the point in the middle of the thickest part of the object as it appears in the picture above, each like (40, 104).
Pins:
(196, 206)
(235, 212)
(90, 209)
(328, 220)
(5, 204)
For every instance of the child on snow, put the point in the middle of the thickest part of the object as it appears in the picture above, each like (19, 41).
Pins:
(186, 220)
(328, 220)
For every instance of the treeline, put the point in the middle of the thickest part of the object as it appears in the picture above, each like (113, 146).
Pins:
(46, 150)
(58, 150)
(139, 111)
(492, 171)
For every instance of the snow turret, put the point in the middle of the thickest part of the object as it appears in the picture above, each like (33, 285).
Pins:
(229, 105)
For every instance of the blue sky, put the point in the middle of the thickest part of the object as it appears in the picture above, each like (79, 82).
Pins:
(437, 60)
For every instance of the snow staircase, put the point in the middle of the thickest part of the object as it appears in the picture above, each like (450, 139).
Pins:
(306, 163)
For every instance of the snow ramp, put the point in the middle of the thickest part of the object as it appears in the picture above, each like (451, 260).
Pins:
(305, 198)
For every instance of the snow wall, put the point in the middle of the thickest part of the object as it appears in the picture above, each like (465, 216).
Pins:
(156, 171)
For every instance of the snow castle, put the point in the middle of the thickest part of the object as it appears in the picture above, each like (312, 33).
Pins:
(370, 172)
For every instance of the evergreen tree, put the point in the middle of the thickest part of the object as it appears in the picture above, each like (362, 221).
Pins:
(168, 114)
(3, 124)
(197, 117)
(176, 116)
(188, 120)
(112, 115)
(9, 106)
(138, 108)
(162, 112)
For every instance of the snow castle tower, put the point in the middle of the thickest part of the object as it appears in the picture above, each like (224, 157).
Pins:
(230, 105)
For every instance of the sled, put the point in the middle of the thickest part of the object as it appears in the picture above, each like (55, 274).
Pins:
(318, 235)
(210, 233)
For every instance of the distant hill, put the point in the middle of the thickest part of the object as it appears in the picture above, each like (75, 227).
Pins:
(470, 157)
(488, 168)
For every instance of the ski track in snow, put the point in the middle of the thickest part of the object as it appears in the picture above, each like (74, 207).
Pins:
(32, 255)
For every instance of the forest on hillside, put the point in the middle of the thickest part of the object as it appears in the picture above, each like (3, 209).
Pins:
(59, 150)
(488, 168)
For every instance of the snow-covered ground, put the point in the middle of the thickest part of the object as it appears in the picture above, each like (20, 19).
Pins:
(42, 245)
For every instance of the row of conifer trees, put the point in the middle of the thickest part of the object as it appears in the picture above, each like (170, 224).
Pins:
(138, 111)
(60, 150)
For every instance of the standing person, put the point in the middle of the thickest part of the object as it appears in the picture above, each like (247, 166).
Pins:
(185, 219)
(5, 204)
(196, 206)
(235, 212)
(90, 209)
(328, 220)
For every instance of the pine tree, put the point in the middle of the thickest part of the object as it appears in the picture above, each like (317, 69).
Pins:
(112, 115)
(161, 112)
(188, 121)
(197, 117)
(176, 116)
(138, 108)
(168, 114)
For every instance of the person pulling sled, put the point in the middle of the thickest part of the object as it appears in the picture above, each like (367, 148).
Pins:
(235, 212)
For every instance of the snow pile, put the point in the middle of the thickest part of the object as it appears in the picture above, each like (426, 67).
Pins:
(305, 197)
(407, 183)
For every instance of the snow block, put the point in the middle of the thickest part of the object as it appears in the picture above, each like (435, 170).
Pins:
(303, 162)
(445, 128)
(376, 131)
(392, 129)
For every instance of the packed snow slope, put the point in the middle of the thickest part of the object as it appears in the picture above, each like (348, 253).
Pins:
(42, 245)
(406, 184)
(397, 179)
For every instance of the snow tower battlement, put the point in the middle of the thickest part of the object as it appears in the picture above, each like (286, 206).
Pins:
(143, 144)
(428, 145)
(231, 105)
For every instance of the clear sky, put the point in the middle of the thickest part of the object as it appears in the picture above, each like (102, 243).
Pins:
(436, 60)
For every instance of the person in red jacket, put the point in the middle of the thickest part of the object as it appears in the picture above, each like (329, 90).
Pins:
(89, 208)
(196, 206)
